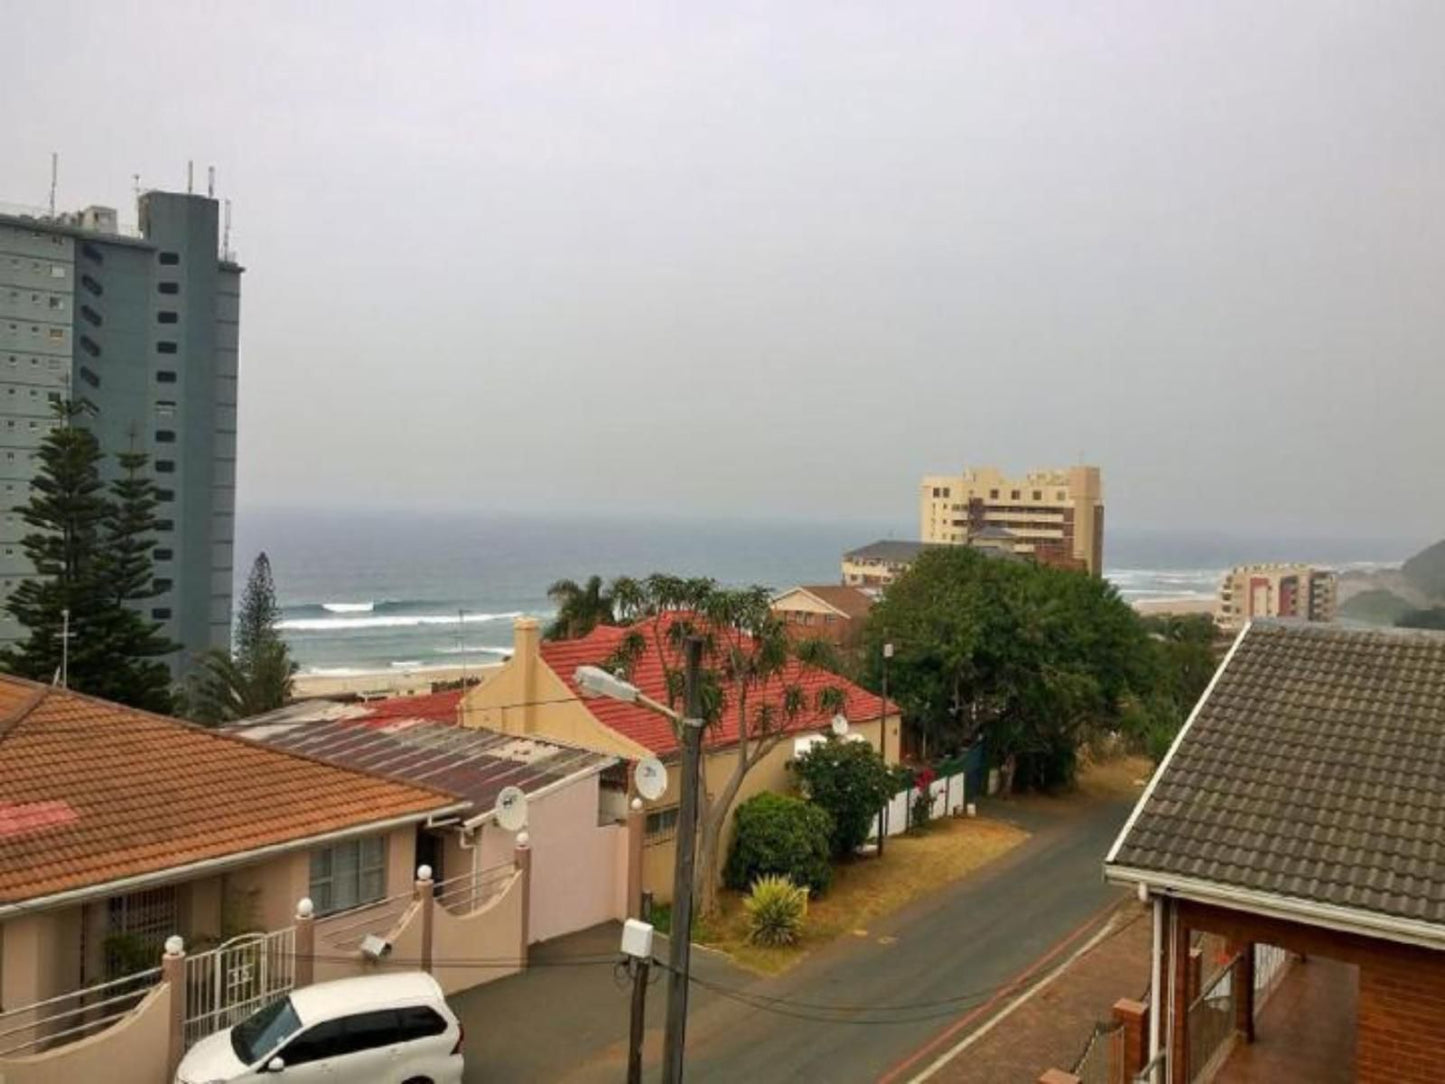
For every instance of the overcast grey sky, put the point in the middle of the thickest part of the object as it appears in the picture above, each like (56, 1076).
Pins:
(785, 258)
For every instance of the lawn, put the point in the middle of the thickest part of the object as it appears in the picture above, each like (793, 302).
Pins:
(865, 889)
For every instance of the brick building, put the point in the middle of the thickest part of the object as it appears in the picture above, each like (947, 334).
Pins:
(1302, 807)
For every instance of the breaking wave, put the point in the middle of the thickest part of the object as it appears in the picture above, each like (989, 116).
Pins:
(387, 621)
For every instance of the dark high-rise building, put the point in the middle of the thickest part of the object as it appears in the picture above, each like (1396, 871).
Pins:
(140, 326)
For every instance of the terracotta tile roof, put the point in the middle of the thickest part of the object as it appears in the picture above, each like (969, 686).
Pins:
(1314, 769)
(141, 793)
(434, 707)
(649, 729)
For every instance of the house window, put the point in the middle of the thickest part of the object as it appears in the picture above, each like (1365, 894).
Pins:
(136, 928)
(661, 825)
(170, 259)
(348, 875)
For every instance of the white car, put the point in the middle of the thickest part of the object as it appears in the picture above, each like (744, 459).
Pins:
(382, 1029)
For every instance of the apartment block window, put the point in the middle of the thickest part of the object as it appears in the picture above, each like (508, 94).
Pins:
(56, 301)
(165, 436)
(90, 252)
(90, 346)
(165, 525)
(348, 875)
(165, 494)
(993, 494)
(161, 613)
(165, 466)
(165, 408)
(161, 553)
(1038, 495)
(169, 287)
(1014, 495)
(91, 285)
(166, 317)
(89, 377)
(92, 317)
(1061, 496)
(165, 376)
(165, 347)
(170, 259)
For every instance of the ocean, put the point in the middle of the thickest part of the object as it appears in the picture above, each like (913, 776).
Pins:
(372, 591)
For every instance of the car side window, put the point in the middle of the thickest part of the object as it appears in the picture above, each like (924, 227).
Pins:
(420, 1022)
(315, 1043)
(369, 1030)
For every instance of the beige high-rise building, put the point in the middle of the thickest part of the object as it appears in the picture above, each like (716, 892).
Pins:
(1276, 590)
(1057, 516)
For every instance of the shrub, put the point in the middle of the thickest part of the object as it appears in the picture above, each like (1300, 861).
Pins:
(776, 909)
(782, 836)
(923, 800)
(850, 781)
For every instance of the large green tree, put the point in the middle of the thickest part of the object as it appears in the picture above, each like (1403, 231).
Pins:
(753, 677)
(256, 676)
(1036, 659)
(89, 547)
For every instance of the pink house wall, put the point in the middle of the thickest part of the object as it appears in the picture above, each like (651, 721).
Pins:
(579, 869)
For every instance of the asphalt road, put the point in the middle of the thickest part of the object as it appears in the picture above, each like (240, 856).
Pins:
(911, 980)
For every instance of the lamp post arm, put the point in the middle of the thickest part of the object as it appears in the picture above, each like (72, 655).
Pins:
(659, 707)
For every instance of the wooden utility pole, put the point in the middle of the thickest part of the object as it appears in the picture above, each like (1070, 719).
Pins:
(680, 939)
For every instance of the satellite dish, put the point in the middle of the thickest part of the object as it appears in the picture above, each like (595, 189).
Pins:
(650, 777)
(512, 809)
(840, 725)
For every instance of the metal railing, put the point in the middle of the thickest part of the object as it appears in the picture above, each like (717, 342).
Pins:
(472, 891)
(343, 930)
(1103, 1051)
(234, 979)
(1211, 1019)
(33, 1028)
(1270, 962)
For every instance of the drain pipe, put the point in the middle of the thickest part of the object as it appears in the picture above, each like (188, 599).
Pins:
(1156, 984)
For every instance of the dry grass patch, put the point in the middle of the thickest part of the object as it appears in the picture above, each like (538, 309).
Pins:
(865, 889)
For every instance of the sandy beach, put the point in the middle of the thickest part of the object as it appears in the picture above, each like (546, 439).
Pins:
(1176, 606)
(399, 682)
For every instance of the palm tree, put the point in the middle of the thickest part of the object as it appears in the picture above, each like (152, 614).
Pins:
(580, 609)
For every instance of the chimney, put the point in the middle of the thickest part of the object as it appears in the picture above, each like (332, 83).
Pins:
(526, 638)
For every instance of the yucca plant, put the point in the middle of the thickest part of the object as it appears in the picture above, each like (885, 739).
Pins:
(776, 911)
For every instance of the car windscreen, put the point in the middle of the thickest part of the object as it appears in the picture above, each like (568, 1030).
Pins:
(262, 1032)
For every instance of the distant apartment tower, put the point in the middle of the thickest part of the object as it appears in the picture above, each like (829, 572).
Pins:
(141, 327)
(1276, 590)
(1056, 516)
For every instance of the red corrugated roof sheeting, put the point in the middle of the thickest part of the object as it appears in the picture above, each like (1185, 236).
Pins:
(654, 731)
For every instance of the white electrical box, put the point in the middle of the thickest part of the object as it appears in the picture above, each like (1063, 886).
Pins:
(637, 939)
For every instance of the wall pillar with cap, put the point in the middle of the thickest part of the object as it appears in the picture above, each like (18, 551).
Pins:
(522, 858)
(173, 974)
(424, 892)
(305, 942)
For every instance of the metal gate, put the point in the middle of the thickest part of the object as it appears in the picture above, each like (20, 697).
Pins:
(234, 979)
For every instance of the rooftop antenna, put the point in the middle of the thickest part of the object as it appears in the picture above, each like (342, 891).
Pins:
(190, 177)
(135, 187)
(54, 173)
(210, 182)
(226, 234)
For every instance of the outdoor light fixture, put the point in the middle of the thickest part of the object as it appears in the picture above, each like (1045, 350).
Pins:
(595, 681)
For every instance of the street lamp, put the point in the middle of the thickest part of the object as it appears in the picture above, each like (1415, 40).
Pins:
(594, 681)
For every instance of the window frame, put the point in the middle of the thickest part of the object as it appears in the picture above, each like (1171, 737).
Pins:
(326, 873)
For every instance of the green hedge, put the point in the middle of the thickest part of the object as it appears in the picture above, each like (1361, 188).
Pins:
(780, 836)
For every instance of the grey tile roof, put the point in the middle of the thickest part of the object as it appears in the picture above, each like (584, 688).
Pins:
(889, 550)
(1314, 769)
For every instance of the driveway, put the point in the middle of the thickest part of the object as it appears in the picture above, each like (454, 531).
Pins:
(861, 1009)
